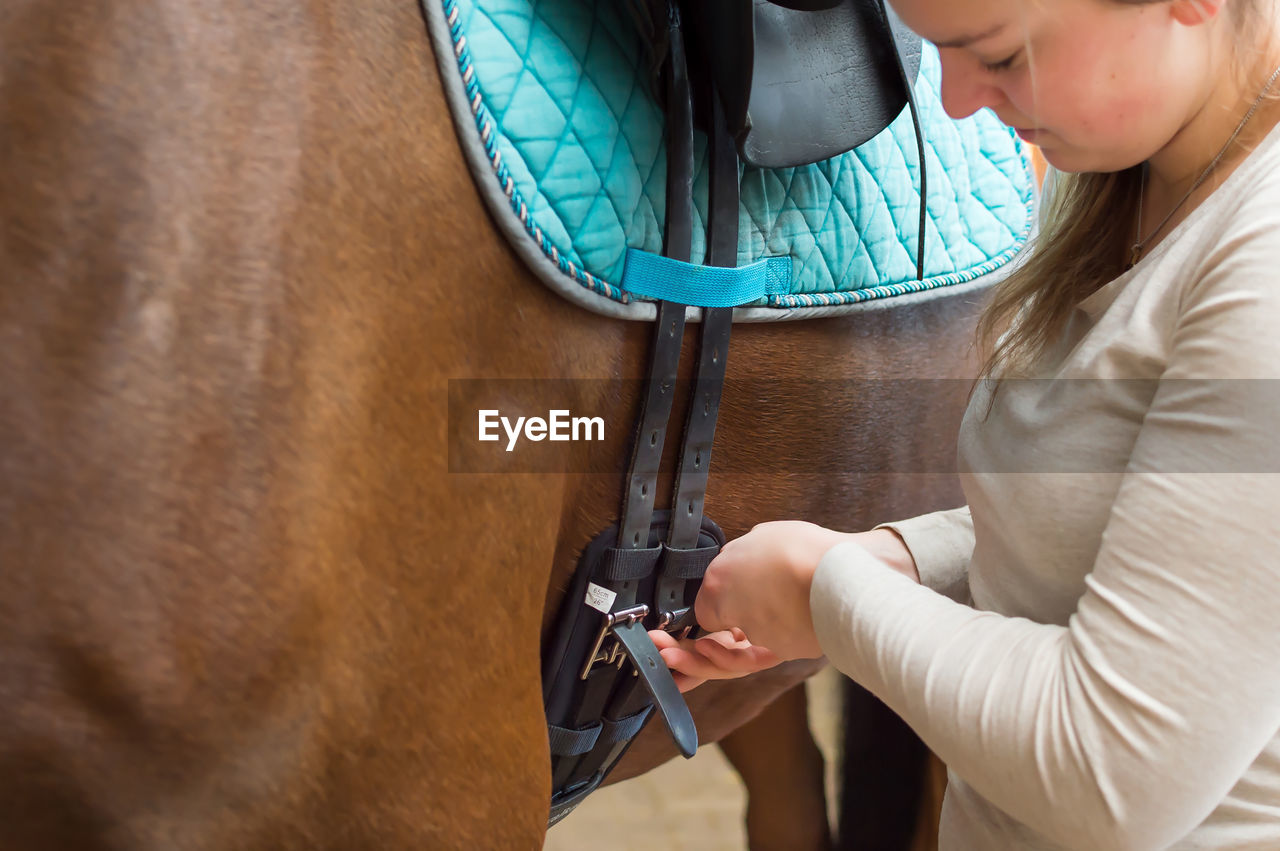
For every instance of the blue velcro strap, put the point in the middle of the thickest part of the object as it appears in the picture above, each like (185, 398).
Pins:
(567, 742)
(661, 277)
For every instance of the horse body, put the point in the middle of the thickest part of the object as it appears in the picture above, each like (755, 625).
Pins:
(243, 601)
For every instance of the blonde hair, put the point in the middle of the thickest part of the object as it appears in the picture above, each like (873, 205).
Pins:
(1078, 250)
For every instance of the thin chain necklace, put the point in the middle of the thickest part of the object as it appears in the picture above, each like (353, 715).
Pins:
(1137, 246)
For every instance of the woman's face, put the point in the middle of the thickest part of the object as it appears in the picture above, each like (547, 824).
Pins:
(1098, 85)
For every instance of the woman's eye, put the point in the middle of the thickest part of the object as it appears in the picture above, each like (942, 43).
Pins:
(1002, 65)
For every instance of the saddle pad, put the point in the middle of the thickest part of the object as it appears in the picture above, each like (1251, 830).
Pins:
(552, 103)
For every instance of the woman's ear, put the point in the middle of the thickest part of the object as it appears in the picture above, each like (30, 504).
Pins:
(1191, 13)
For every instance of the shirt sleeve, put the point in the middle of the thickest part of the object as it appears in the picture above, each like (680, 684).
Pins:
(1128, 726)
(941, 543)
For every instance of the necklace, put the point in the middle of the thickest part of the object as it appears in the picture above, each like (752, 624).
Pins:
(1137, 246)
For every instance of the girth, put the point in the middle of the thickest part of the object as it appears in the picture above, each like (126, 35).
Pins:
(603, 678)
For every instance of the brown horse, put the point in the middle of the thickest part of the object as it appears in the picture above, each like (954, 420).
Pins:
(243, 601)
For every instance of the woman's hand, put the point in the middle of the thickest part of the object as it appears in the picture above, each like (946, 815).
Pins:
(717, 656)
(755, 600)
(760, 584)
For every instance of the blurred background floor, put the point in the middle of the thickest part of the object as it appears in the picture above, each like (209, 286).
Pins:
(690, 805)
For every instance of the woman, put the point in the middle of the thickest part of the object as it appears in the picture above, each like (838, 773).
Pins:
(1092, 644)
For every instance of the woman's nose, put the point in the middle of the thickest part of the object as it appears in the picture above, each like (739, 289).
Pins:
(965, 88)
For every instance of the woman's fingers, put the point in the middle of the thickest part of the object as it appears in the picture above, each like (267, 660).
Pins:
(662, 639)
(690, 671)
(740, 656)
(689, 662)
(683, 667)
(721, 655)
(716, 656)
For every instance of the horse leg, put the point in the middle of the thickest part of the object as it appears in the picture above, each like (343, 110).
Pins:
(783, 770)
(930, 810)
(883, 779)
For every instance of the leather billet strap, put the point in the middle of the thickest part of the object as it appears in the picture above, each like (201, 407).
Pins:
(713, 356)
(678, 573)
(646, 459)
(578, 702)
(676, 588)
(677, 243)
(651, 573)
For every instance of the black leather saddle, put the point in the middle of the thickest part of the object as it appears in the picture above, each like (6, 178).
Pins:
(800, 80)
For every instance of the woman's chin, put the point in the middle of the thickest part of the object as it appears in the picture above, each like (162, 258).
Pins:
(1074, 160)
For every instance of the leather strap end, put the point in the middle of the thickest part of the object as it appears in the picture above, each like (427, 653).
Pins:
(658, 681)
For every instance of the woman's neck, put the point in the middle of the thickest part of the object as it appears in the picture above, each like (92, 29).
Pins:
(1178, 165)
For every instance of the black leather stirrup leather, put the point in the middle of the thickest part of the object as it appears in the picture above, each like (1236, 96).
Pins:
(602, 676)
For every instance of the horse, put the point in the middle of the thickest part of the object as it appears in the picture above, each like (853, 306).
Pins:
(245, 601)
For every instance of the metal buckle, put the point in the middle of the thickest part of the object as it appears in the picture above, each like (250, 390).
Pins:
(679, 616)
(615, 654)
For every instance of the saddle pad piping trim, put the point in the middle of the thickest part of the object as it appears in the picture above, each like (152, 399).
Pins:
(880, 291)
(486, 127)
(658, 277)
(597, 295)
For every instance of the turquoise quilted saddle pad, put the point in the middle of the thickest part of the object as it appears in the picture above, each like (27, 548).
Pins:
(559, 100)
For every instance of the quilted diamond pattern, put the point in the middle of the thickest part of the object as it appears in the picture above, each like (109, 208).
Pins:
(577, 140)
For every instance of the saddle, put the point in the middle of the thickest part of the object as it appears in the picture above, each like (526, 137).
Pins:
(800, 80)
(603, 678)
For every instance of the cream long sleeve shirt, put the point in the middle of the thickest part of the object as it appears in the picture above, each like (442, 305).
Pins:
(1095, 649)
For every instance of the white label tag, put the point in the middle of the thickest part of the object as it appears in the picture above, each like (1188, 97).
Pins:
(600, 599)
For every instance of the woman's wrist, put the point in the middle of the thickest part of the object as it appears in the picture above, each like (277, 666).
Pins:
(888, 546)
